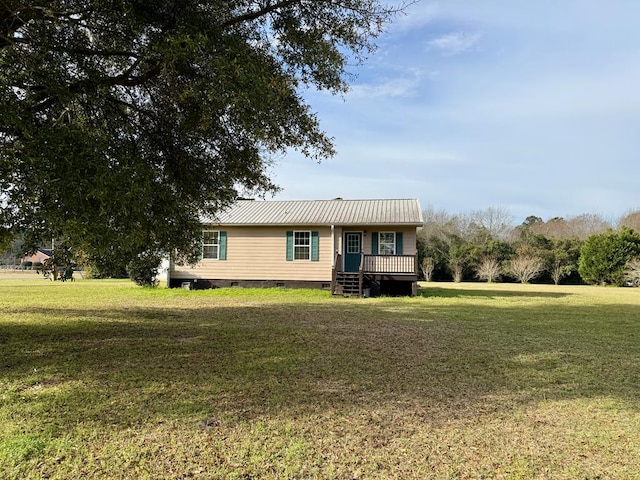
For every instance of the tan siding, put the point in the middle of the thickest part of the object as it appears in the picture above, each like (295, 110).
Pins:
(409, 240)
(259, 253)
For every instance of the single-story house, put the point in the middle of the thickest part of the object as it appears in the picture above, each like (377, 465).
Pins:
(352, 247)
(38, 257)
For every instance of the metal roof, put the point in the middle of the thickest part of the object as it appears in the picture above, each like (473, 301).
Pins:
(321, 212)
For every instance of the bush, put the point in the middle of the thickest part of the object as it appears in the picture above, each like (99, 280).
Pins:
(143, 270)
(526, 267)
(604, 256)
(489, 269)
(428, 267)
(26, 265)
(96, 270)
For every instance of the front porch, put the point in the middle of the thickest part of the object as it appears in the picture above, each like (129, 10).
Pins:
(374, 273)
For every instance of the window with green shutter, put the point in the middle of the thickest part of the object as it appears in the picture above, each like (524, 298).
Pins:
(386, 243)
(289, 245)
(315, 247)
(222, 253)
(214, 245)
(303, 245)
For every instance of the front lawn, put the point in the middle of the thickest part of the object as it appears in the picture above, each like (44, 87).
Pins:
(102, 379)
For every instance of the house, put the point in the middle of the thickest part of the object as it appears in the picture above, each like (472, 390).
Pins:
(37, 258)
(353, 247)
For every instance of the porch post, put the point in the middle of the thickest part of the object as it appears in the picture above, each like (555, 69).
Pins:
(333, 246)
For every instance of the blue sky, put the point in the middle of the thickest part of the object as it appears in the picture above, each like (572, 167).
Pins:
(529, 106)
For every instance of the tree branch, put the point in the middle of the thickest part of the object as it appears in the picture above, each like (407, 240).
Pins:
(253, 15)
(100, 53)
(126, 80)
(12, 20)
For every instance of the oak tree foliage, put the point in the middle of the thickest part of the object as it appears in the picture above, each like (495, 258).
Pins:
(123, 121)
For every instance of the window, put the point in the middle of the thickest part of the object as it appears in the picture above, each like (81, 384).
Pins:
(353, 243)
(211, 244)
(387, 243)
(302, 245)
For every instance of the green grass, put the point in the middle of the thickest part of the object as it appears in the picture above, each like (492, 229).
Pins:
(102, 379)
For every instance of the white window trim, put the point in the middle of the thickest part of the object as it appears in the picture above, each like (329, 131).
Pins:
(395, 249)
(346, 246)
(306, 246)
(210, 245)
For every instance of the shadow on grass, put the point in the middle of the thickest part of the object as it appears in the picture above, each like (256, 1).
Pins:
(485, 293)
(130, 366)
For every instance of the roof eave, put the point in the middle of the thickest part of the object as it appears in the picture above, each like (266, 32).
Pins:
(299, 224)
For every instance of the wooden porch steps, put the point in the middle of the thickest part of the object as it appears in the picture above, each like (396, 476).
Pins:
(348, 284)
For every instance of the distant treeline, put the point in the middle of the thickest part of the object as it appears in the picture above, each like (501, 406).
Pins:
(486, 245)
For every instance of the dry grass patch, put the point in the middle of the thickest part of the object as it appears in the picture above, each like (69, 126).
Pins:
(106, 380)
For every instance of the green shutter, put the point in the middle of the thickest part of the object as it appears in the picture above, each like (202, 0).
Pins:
(374, 243)
(201, 245)
(315, 250)
(289, 246)
(222, 252)
(398, 243)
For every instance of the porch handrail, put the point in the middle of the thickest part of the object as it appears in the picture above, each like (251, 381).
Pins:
(361, 274)
(337, 267)
(389, 264)
(337, 262)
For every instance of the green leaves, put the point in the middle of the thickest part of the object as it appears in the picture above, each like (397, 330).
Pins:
(603, 257)
(122, 122)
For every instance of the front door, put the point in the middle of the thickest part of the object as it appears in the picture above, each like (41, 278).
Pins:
(352, 251)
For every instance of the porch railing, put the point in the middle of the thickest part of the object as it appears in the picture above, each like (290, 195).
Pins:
(390, 264)
(400, 266)
(337, 267)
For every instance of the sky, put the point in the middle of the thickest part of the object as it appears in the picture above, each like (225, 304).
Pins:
(529, 106)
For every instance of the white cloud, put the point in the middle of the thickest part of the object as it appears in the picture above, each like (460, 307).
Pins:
(454, 43)
(541, 119)
(394, 87)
